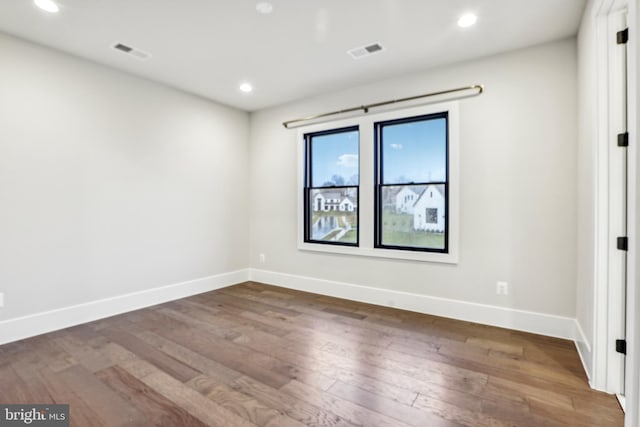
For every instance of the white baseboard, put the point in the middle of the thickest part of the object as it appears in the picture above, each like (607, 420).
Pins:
(539, 323)
(39, 323)
(622, 401)
(527, 321)
(583, 346)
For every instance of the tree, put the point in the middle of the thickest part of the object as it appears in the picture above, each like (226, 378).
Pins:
(338, 179)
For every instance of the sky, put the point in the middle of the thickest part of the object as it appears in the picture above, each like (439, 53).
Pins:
(335, 154)
(413, 152)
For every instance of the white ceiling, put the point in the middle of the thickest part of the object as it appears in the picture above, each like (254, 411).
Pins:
(208, 47)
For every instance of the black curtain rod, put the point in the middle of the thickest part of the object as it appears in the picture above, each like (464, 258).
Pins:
(366, 108)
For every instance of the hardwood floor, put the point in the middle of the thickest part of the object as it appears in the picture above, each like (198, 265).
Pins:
(258, 355)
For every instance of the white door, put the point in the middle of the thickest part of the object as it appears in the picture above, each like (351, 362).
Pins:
(617, 202)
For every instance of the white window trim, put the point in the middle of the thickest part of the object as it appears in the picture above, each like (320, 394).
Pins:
(367, 186)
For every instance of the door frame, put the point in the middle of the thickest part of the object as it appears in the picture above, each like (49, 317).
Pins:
(632, 383)
(608, 324)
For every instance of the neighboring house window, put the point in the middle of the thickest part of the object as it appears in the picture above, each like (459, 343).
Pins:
(412, 167)
(331, 186)
(432, 215)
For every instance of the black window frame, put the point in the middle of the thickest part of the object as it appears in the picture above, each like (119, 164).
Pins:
(308, 188)
(379, 182)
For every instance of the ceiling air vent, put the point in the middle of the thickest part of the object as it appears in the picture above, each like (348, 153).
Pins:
(133, 51)
(361, 52)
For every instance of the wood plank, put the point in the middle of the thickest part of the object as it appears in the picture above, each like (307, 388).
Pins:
(12, 389)
(295, 364)
(293, 406)
(164, 362)
(81, 414)
(255, 365)
(425, 370)
(518, 414)
(406, 413)
(250, 408)
(496, 346)
(496, 364)
(344, 313)
(521, 392)
(156, 408)
(466, 412)
(343, 408)
(85, 355)
(27, 369)
(226, 315)
(190, 400)
(377, 385)
(258, 307)
(109, 407)
(545, 410)
(191, 358)
(51, 354)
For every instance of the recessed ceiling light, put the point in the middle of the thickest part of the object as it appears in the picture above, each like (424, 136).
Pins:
(246, 87)
(264, 7)
(47, 5)
(467, 20)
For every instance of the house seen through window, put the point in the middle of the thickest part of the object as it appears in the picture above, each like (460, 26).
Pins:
(331, 186)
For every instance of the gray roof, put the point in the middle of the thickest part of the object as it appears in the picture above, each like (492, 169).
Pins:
(439, 189)
(331, 195)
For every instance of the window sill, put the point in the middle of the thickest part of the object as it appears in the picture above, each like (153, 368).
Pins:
(448, 258)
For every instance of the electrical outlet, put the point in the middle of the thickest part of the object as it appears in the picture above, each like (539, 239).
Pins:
(502, 288)
(1, 299)
(262, 258)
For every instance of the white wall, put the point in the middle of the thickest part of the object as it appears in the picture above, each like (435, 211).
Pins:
(518, 185)
(110, 184)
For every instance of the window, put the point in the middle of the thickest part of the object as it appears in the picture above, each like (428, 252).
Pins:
(331, 186)
(431, 215)
(412, 183)
(382, 185)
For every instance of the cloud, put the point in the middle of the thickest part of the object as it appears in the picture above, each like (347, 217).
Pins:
(348, 160)
(396, 146)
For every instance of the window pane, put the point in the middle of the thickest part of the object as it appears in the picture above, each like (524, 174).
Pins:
(415, 151)
(334, 215)
(414, 216)
(334, 159)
